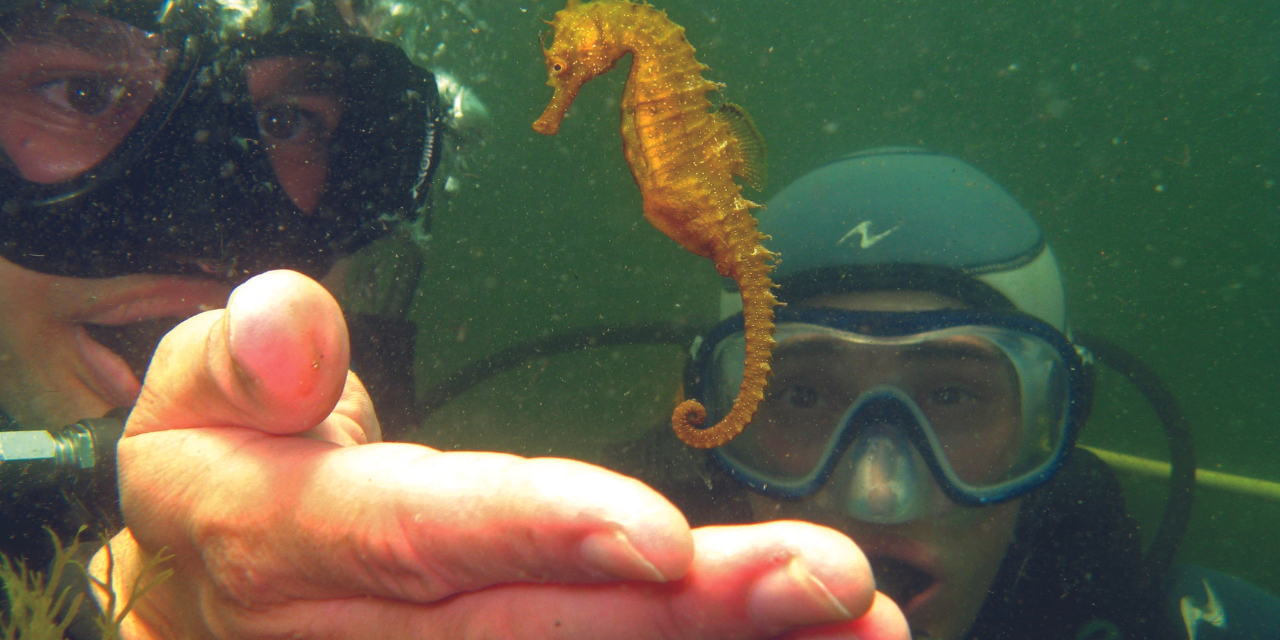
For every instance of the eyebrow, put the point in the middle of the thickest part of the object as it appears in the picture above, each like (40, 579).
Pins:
(314, 77)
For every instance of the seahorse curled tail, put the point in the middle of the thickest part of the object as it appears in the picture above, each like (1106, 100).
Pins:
(749, 267)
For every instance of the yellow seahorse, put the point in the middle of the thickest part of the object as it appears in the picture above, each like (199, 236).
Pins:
(683, 155)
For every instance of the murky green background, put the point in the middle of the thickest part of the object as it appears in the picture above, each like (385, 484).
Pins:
(1143, 136)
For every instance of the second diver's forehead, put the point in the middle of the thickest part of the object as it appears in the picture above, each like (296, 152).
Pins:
(893, 301)
(824, 344)
(959, 347)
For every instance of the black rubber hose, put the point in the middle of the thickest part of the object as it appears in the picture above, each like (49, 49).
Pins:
(1182, 456)
(655, 333)
(1177, 512)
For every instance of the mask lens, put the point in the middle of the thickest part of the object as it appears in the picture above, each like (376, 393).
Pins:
(793, 427)
(298, 104)
(988, 404)
(73, 85)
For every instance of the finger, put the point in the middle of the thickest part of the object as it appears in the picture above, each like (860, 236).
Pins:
(352, 421)
(753, 581)
(273, 518)
(274, 360)
(884, 621)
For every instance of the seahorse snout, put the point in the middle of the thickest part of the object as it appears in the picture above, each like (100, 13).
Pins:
(549, 122)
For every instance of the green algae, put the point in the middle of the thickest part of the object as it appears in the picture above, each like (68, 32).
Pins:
(43, 605)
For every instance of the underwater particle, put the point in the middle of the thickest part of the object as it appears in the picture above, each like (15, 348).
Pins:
(1177, 262)
(1057, 107)
(1142, 63)
(1160, 188)
(830, 127)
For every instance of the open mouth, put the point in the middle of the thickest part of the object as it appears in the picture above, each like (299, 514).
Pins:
(899, 580)
(135, 342)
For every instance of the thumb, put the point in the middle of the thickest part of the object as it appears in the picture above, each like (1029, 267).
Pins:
(274, 360)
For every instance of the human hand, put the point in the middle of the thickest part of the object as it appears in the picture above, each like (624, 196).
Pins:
(252, 457)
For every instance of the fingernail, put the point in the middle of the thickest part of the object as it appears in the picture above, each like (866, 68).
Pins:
(612, 553)
(790, 595)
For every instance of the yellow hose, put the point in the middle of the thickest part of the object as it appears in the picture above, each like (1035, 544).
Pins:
(1126, 463)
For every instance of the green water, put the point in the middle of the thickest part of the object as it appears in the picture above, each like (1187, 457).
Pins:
(1141, 135)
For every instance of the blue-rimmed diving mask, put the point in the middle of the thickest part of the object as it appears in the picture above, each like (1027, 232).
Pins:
(902, 415)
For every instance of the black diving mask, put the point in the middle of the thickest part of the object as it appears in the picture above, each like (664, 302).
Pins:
(126, 151)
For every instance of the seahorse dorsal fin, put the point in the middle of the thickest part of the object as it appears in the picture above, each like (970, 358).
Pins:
(751, 165)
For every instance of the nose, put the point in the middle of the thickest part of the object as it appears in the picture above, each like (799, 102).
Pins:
(888, 482)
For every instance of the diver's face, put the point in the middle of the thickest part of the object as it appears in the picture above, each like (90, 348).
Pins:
(73, 86)
(938, 569)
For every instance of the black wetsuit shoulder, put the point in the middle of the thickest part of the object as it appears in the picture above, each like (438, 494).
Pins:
(1075, 568)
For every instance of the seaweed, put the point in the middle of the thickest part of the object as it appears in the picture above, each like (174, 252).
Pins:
(41, 606)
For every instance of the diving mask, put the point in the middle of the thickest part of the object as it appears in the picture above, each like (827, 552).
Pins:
(983, 405)
(125, 149)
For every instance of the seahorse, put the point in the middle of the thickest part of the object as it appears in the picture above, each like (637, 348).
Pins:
(683, 155)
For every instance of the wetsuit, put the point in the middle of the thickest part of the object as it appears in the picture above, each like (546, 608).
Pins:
(1075, 567)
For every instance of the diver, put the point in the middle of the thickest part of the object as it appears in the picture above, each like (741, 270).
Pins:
(208, 162)
(926, 398)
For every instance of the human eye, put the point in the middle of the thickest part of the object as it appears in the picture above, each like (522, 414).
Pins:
(285, 122)
(953, 396)
(299, 118)
(296, 132)
(297, 99)
(796, 396)
(85, 94)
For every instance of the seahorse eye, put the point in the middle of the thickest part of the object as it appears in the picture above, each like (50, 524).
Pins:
(557, 67)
